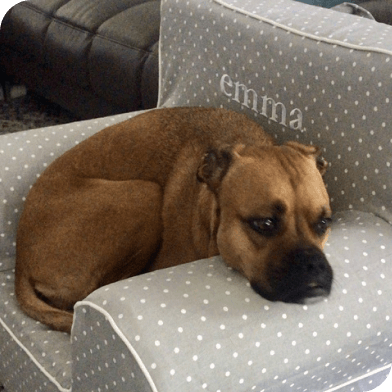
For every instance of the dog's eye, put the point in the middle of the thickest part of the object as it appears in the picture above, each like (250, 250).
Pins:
(322, 226)
(265, 226)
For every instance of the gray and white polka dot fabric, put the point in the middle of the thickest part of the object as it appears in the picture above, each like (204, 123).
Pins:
(32, 357)
(305, 73)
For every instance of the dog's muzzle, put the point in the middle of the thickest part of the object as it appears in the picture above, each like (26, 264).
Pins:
(304, 276)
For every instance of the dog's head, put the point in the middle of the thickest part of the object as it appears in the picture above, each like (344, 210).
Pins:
(274, 217)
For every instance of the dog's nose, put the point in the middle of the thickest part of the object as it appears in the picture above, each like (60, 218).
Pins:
(308, 275)
(302, 276)
(311, 261)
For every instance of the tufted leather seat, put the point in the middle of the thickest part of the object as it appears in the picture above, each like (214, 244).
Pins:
(93, 57)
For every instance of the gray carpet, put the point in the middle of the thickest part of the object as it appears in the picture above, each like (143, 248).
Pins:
(25, 110)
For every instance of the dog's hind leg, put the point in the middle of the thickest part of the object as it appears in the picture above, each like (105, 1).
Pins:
(98, 232)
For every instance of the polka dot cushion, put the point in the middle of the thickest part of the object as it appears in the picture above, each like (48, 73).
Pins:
(32, 357)
(303, 72)
(201, 327)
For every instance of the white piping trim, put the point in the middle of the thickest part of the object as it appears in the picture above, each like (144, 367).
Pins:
(301, 33)
(40, 367)
(359, 378)
(123, 338)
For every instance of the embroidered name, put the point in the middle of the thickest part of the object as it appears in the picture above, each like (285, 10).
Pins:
(263, 105)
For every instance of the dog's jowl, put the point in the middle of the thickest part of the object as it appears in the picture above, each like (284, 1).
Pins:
(168, 187)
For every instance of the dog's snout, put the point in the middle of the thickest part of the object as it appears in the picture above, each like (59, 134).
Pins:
(303, 275)
(309, 275)
(310, 260)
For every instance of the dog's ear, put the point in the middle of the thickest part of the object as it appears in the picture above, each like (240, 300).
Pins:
(309, 150)
(214, 166)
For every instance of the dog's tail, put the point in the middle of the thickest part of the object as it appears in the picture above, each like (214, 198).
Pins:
(35, 307)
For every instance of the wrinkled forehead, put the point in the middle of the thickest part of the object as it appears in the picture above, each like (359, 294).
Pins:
(273, 177)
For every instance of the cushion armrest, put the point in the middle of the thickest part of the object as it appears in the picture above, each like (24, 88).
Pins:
(200, 325)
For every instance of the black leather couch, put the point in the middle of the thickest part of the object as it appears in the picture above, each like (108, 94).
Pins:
(92, 57)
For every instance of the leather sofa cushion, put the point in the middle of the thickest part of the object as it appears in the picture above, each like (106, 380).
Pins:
(100, 47)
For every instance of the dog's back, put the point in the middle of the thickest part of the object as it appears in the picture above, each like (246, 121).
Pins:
(146, 146)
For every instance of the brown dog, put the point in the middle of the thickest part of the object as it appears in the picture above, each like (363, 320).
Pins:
(165, 188)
